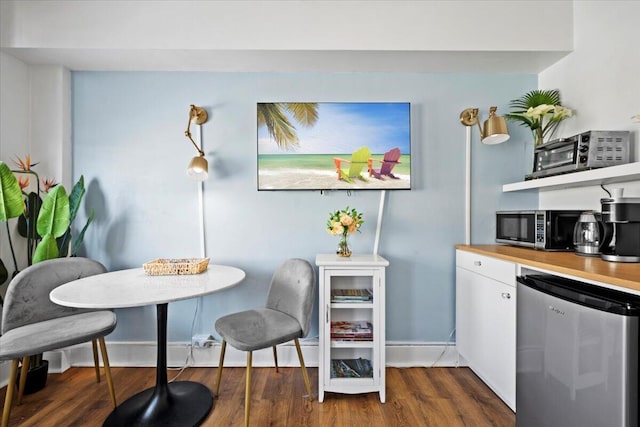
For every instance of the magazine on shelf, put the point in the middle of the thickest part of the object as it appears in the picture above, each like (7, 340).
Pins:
(351, 368)
(352, 330)
(351, 295)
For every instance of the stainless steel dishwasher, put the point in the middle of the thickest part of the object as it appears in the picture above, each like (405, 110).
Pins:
(576, 354)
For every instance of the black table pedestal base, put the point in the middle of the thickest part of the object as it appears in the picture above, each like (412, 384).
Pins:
(179, 404)
(183, 403)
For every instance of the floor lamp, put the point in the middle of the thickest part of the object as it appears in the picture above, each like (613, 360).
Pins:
(198, 168)
(494, 132)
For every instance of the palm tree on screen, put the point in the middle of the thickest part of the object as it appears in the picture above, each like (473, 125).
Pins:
(274, 116)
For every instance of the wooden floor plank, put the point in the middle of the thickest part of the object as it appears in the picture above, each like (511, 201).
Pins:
(415, 397)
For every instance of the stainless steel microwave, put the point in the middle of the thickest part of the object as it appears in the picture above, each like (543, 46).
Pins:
(550, 230)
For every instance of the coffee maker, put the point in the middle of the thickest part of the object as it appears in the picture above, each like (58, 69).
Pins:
(591, 235)
(623, 213)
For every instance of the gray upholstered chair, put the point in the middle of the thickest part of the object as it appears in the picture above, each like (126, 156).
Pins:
(286, 317)
(32, 324)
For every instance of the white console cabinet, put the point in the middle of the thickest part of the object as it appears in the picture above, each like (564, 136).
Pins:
(486, 320)
(352, 324)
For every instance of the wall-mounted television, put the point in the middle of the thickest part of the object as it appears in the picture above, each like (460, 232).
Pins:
(334, 145)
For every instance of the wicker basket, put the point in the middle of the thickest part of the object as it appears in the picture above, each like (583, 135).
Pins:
(162, 266)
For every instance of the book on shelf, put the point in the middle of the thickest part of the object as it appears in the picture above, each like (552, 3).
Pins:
(351, 368)
(360, 330)
(351, 295)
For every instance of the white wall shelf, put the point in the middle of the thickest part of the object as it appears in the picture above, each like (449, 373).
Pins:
(608, 175)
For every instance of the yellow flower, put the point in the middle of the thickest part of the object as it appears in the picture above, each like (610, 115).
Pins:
(536, 112)
(346, 220)
(561, 112)
(343, 222)
(337, 228)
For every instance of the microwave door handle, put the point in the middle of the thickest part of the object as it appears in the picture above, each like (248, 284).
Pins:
(559, 163)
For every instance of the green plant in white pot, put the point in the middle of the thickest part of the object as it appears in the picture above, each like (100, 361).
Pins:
(51, 235)
(541, 111)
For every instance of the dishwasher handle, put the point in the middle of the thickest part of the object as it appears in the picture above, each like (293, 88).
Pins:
(585, 294)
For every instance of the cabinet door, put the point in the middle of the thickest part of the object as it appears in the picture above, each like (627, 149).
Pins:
(485, 330)
(357, 347)
(498, 325)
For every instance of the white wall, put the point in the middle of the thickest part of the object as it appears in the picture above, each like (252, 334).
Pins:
(14, 131)
(51, 124)
(35, 120)
(599, 79)
(288, 36)
(286, 25)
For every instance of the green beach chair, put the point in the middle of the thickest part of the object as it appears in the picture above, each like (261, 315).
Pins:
(358, 161)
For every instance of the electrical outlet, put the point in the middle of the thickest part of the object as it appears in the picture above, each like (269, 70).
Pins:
(202, 340)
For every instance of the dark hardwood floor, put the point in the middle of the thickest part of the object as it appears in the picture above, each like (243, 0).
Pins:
(415, 397)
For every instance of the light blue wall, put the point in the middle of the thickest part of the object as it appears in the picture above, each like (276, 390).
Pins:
(128, 142)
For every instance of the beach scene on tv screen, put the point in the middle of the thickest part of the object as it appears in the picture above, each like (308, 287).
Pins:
(327, 146)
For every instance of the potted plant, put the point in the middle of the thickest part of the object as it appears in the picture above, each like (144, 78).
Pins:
(46, 224)
(342, 223)
(541, 111)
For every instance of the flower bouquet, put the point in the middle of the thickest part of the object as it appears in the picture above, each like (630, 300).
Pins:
(541, 111)
(342, 223)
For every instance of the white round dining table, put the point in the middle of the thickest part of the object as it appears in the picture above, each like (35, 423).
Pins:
(180, 403)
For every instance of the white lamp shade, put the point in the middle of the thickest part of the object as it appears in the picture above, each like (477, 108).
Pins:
(495, 130)
(198, 168)
(497, 138)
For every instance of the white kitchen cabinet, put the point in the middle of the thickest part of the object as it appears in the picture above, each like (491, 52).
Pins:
(486, 320)
(352, 292)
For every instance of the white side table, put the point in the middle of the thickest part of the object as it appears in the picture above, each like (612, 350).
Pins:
(352, 294)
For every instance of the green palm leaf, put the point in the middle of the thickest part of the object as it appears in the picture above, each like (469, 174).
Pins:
(281, 130)
(78, 241)
(54, 213)
(11, 204)
(77, 192)
(535, 98)
(75, 198)
(46, 249)
(305, 113)
(30, 216)
(530, 100)
(274, 116)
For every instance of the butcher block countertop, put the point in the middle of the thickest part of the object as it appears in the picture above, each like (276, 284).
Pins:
(623, 275)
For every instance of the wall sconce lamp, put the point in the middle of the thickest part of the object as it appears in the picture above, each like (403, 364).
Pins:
(494, 132)
(198, 168)
(495, 127)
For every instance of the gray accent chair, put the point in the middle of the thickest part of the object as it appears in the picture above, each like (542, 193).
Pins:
(32, 324)
(286, 317)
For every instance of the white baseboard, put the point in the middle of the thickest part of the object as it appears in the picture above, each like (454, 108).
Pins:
(143, 354)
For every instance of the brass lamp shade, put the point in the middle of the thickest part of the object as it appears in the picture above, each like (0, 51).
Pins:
(198, 168)
(495, 129)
